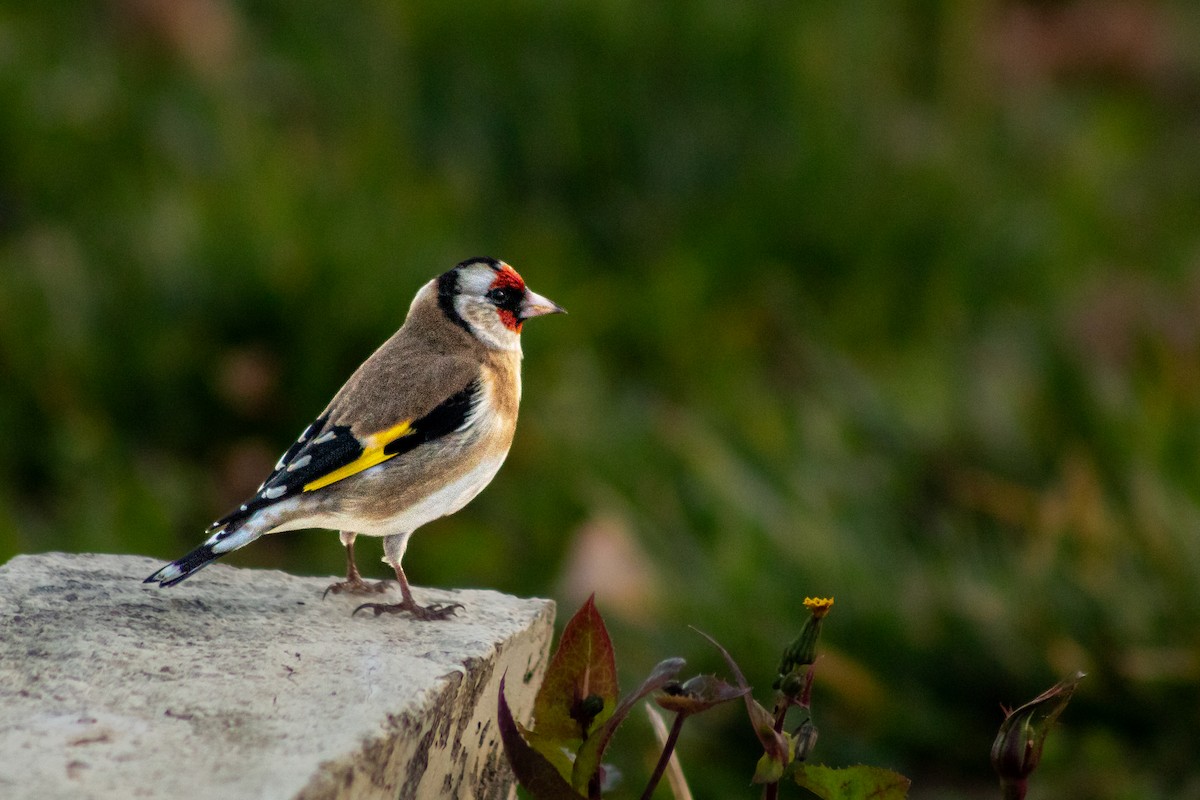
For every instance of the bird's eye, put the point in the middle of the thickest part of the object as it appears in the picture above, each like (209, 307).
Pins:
(504, 296)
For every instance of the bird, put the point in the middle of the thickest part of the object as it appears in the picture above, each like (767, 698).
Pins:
(419, 429)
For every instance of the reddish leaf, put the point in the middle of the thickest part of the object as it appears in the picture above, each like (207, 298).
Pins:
(533, 771)
(733, 665)
(777, 750)
(580, 690)
(699, 694)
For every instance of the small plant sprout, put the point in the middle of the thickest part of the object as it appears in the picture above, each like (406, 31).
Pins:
(1018, 746)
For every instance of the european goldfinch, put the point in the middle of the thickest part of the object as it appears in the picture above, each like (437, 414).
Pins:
(418, 430)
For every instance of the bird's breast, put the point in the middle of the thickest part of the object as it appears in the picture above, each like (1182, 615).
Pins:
(502, 383)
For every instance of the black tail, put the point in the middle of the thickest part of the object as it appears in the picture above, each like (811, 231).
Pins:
(184, 568)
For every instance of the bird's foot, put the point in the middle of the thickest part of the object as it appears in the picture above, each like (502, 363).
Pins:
(357, 586)
(433, 612)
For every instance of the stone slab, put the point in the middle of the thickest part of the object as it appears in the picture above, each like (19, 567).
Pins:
(246, 684)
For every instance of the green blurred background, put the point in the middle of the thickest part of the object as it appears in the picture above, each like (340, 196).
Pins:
(898, 303)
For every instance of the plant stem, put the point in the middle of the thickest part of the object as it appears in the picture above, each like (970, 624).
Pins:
(780, 715)
(806, 693)
(771, 790)
(668, 748)
(1014, 789)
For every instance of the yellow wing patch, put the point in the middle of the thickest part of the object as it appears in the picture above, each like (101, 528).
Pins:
(372, 454)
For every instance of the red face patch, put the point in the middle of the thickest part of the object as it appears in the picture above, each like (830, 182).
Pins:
(507, 278)
(510, 320)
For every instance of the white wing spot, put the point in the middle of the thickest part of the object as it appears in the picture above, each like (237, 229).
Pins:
(275, 491)
(299, 463)
(243, 508)
(325, 437)
(472, 412)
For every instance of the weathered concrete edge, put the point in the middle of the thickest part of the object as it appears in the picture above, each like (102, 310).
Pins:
(437, 740)
(426, 757)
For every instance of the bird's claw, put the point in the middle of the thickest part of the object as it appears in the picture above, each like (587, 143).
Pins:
(356, 587)
(428, 613)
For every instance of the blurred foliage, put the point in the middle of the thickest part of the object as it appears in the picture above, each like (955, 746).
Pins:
(898, 303)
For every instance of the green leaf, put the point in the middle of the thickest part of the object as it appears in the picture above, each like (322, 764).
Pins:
(852, 783)
(769, 769)
(777, 746)
(587, 761)
(552, 750)
(539, 777)
(580, 690)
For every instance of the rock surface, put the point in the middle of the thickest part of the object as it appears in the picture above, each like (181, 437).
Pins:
(245, 684)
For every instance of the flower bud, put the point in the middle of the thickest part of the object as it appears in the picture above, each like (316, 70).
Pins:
(586, 709)
(805, 739)
(803, 651)
(1018, 746)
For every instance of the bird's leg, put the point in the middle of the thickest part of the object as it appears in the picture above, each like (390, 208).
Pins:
(354, 584)
(393, 549)
(409, 604)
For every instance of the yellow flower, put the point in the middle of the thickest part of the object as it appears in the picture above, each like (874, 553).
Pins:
(819, 606)
(803, 651)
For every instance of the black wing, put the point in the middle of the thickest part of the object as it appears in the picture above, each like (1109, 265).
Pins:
(325, 450)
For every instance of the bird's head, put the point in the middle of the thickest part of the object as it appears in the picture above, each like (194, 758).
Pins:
(490, 300)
